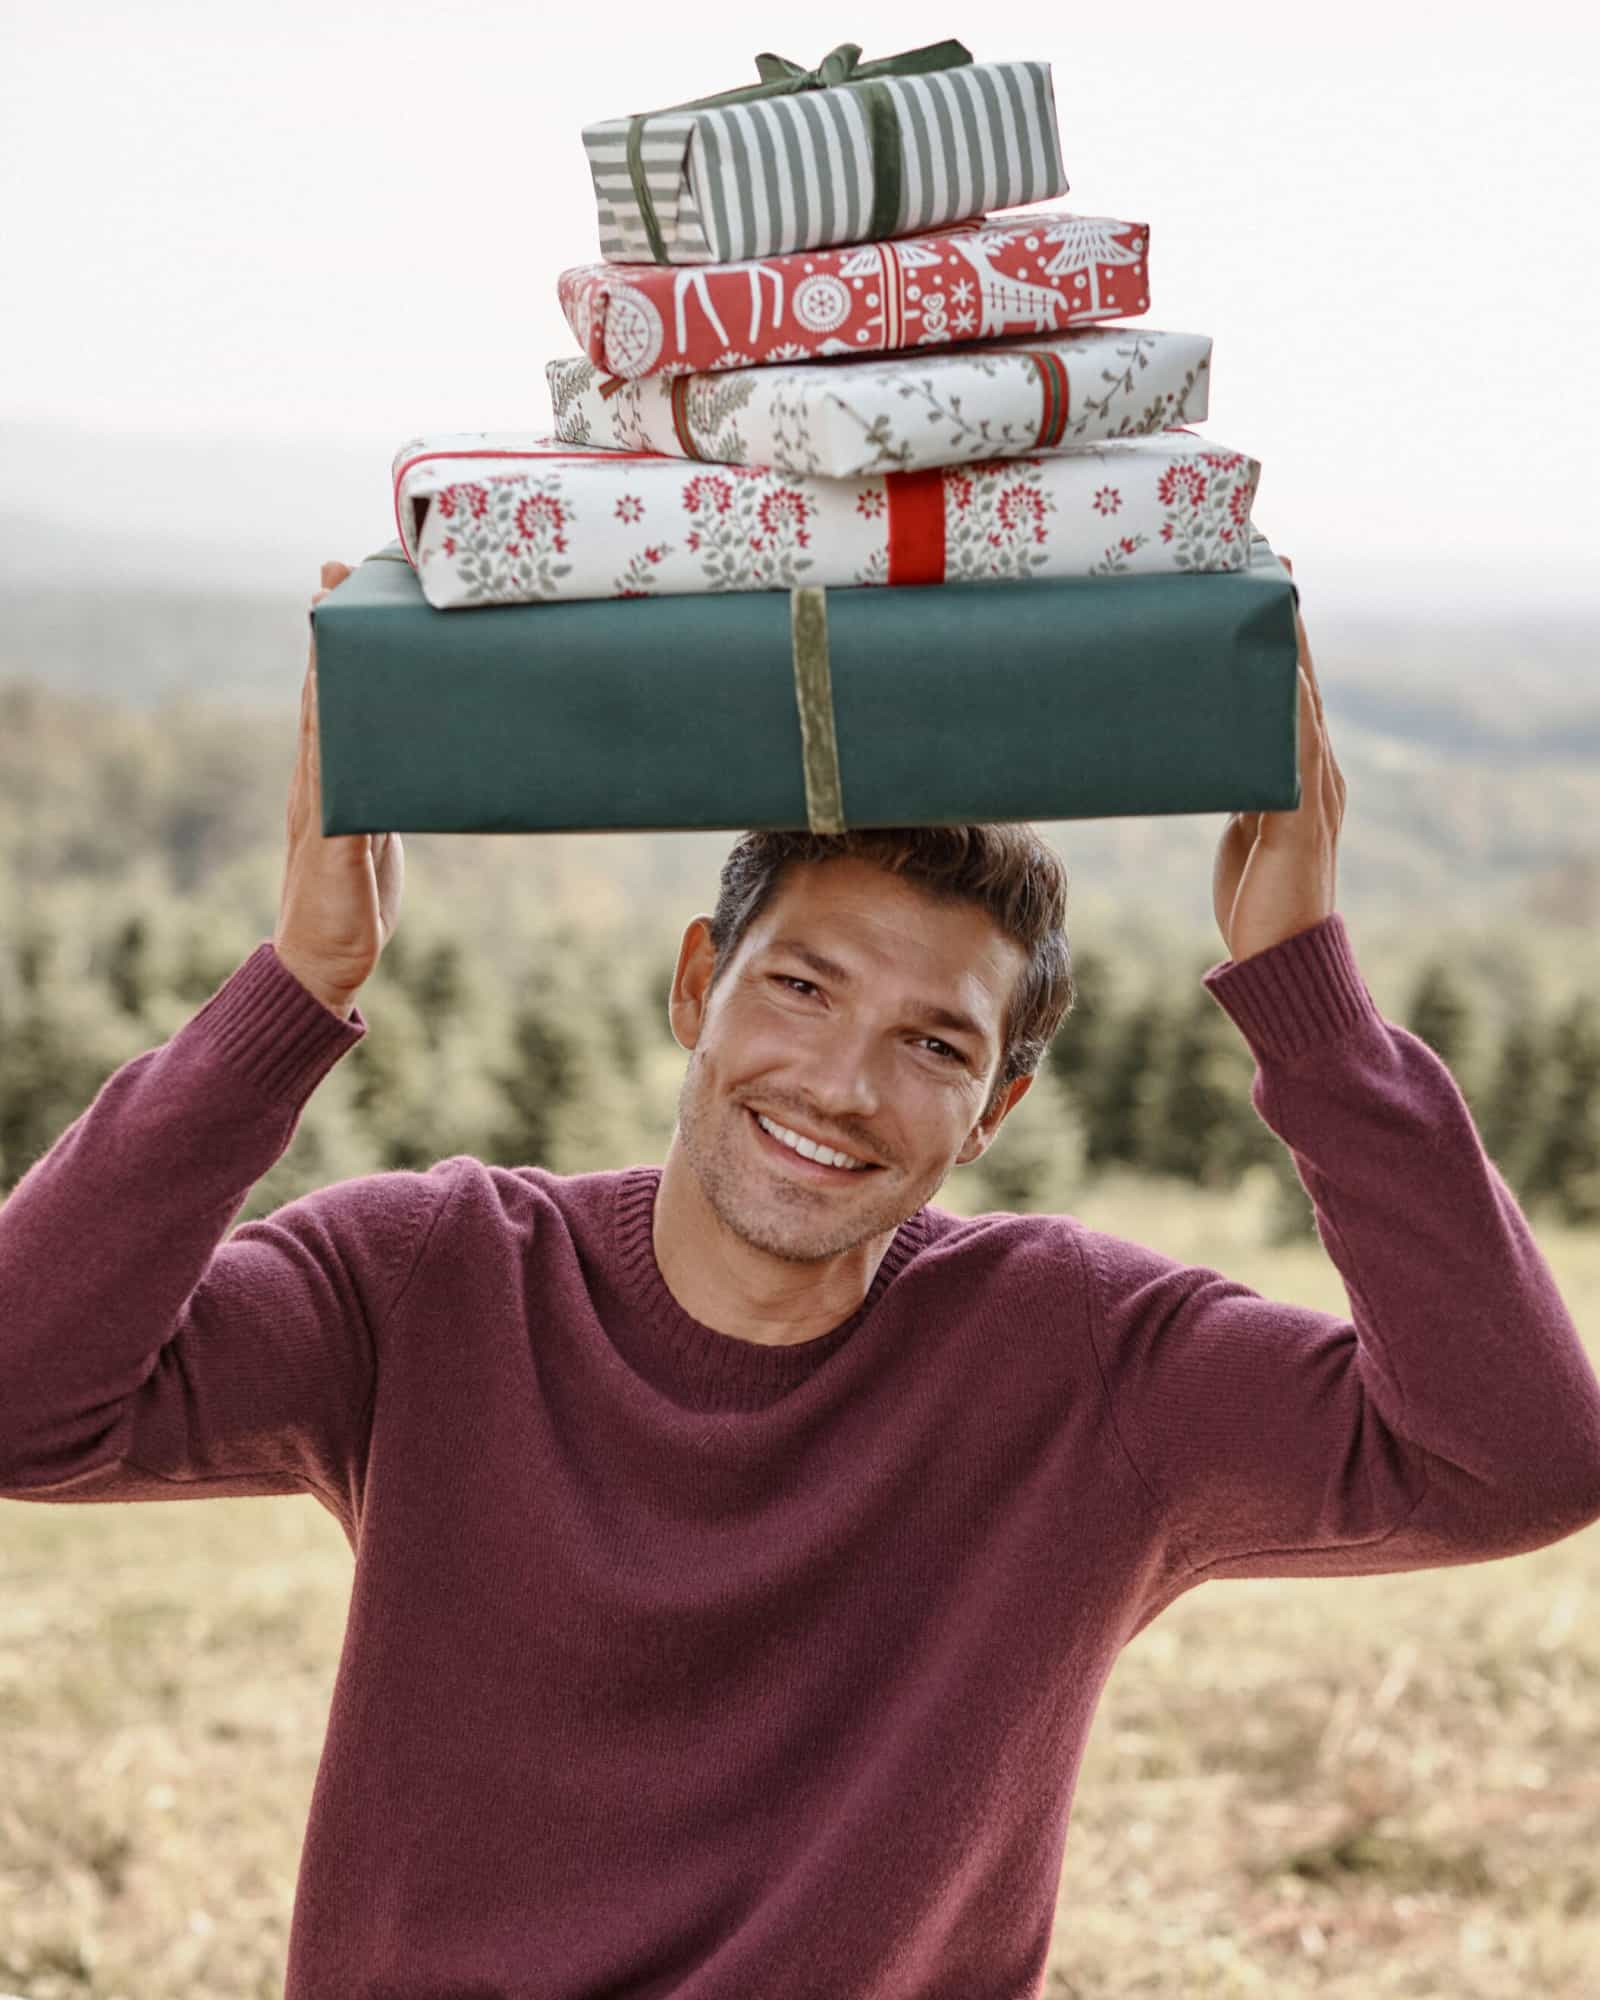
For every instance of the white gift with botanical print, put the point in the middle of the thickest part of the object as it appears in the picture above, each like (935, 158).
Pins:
(949, 406)
(508, 518)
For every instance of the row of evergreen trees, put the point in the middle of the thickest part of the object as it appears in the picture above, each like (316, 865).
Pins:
(573, 1067)
(1163, 1083)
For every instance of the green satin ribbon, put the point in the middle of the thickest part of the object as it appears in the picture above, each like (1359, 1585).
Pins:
(813, 696)
(782, 78)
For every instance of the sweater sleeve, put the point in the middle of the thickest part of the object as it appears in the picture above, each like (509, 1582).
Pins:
(142, 1357)
(1455, 1417)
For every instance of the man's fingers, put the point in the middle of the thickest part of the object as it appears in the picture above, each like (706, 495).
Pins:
(1303, 648)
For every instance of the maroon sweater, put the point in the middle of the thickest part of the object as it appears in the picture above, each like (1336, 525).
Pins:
(681, 1665)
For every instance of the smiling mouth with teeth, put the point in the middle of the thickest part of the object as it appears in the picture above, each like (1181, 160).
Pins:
(808, 1149)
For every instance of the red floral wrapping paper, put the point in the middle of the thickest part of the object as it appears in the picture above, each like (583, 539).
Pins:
(508, 518)
(1037, 273)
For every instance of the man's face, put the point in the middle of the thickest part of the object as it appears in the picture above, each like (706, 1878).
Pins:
(860, 1012)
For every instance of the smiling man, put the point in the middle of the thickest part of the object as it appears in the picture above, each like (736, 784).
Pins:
(741, 1546)
(856, 1031)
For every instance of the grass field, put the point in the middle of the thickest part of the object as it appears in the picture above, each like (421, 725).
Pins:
(1359, 1788)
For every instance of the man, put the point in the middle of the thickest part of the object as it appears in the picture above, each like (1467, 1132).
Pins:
(741, 1546)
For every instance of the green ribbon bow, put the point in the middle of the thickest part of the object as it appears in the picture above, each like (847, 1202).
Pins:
(782, 78)
(844, 65)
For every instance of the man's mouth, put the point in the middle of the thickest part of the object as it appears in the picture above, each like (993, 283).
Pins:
(800, 1154)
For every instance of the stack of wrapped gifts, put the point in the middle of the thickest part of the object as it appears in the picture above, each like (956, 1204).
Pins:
(854, 510)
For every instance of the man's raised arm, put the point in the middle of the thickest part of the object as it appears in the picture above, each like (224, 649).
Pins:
(141, 1355)
(144, 1358)
(1455, 1417)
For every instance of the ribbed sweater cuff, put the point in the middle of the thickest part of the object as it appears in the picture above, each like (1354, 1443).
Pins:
(1297, 996)
(268, 1028)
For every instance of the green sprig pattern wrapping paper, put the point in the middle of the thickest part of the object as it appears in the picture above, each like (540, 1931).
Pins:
(938, 406)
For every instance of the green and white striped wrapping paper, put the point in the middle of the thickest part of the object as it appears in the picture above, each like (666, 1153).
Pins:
(794, 173)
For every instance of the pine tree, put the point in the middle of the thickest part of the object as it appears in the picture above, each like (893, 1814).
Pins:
(440, 988)
(544, 1075)
(1440, 1014)
(204, 958)
(129, 974)
(1511, 1123)
(1076, 1054)
(1194, 1106)
(1565, 1167)
(1113, 1101)
(387, 1070)
(60, 1039)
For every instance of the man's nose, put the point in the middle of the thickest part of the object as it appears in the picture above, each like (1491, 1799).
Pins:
(842, 1074)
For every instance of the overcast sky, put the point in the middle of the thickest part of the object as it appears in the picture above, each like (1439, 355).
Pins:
(247, 252)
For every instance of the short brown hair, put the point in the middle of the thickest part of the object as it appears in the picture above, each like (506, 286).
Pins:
(1005, 868)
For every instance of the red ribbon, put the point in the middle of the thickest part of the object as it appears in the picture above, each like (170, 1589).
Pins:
(1054, 394)
(916, 526)
(916, 499)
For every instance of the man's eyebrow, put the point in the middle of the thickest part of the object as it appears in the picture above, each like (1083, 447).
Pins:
(937, 1017)
(815, 959)
(957, 1023)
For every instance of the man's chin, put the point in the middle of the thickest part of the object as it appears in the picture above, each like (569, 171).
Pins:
(771, 1225)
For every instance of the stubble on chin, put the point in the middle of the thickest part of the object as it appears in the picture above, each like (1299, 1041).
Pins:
(753, 1205)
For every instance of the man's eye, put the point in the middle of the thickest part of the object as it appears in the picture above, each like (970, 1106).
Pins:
(944, 1048)
(788, 979)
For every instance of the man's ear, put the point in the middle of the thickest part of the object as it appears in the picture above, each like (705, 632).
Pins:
(691, 982)
(979, 1138)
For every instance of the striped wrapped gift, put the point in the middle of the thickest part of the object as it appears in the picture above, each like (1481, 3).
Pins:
(737, 181)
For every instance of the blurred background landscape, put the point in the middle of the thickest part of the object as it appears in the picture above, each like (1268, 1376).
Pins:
(146, 742)
(247, 256)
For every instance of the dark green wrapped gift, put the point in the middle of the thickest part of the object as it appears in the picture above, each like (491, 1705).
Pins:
(1072, 698)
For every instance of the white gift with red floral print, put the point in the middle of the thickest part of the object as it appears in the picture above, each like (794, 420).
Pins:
(509, 518)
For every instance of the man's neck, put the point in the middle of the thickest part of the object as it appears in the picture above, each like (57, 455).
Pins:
(735, 1288)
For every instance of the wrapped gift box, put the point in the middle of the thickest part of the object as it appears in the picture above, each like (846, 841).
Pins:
(859, 158)
(903, 413)
(1038, 273)
(511, 519)
(1079, 698)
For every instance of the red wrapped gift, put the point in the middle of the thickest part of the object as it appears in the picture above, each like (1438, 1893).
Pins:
(1034, 273)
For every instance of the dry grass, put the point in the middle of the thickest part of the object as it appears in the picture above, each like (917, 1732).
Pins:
(1379, 1786)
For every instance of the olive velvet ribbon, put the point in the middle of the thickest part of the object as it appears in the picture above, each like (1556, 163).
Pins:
(813, 694)
(782, 78)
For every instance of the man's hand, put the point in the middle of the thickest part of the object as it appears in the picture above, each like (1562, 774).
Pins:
(341, 893)
(1275, 872)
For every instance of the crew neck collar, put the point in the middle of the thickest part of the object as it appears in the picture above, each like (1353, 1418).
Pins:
(693, 1362)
